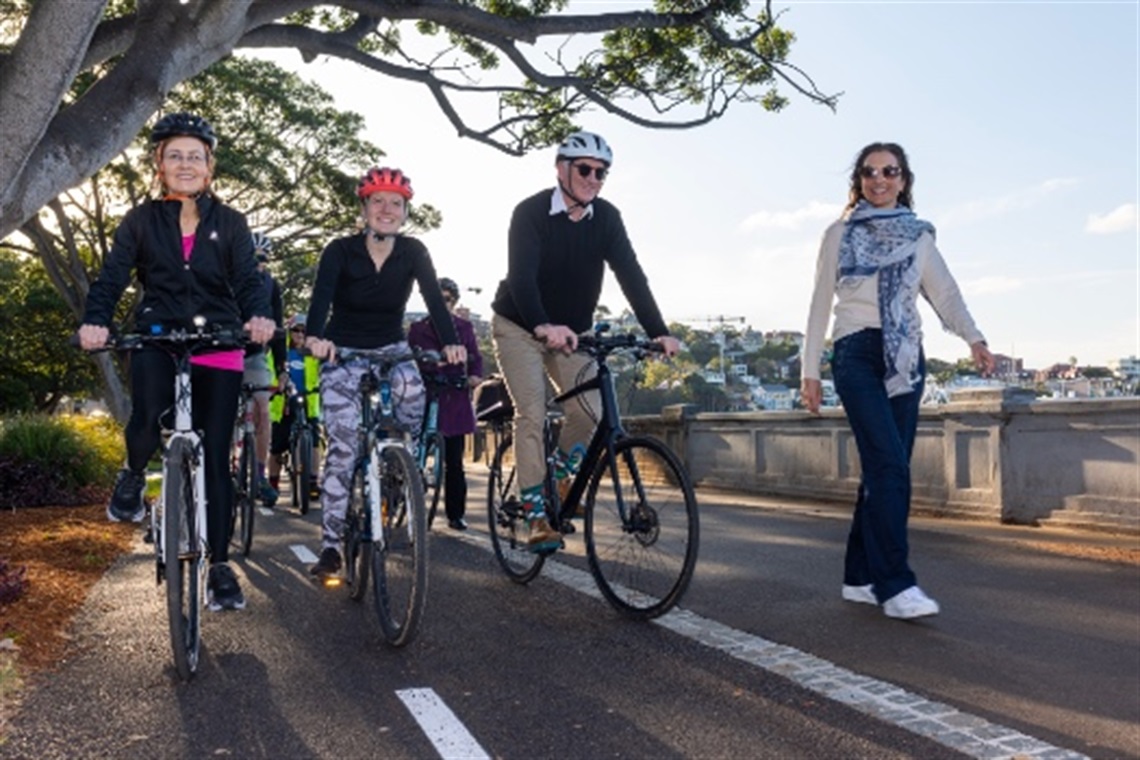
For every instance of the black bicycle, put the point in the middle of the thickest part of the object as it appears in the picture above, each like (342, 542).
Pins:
(298, 459)
(243, 469)
(386, 521)
(641, 520)
(431, 452)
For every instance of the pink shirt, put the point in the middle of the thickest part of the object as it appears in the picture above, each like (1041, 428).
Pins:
(231, 360)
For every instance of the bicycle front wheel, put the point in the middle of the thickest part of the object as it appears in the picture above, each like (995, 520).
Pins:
(433, 473)
(642, 528)
(399, 556)
(357, 538)
(506, 521)
(303, 466)
(244, 503)
(184, 560)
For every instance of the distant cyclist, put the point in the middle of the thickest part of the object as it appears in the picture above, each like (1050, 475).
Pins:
(365, 281)
(456, 415)
(559, 244)
(193, 256)
(263, 368)
(304, 375)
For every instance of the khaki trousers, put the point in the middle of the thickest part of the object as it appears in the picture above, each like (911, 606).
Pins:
(526, 364)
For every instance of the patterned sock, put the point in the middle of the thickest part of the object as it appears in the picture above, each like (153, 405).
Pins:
(532, 502)
(568, 464)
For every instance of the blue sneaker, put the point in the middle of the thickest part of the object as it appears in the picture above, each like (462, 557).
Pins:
(267, 493)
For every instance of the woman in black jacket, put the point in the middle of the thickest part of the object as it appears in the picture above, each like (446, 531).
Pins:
(193, 256)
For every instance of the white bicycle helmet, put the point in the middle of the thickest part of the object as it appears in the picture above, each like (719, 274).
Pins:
(586, 145)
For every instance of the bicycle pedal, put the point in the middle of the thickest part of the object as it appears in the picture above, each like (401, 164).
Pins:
(567, 528)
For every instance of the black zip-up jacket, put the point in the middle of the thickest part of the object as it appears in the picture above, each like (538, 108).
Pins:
(220, 281)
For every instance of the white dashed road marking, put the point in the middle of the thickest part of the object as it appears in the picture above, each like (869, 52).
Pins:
(449, 737)
(966, 733)
(304, 554)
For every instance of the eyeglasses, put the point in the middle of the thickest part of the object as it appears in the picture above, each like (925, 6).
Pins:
(870, 172)
(449, 298)
(175, 157)
(584, 171)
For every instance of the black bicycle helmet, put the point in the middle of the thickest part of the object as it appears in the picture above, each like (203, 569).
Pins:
(448, 285)
(184, 125)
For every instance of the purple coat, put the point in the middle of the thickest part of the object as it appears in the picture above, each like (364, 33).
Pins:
(456, 415)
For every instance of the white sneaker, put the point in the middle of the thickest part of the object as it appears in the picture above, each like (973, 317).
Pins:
(910, 603)
(860, 594)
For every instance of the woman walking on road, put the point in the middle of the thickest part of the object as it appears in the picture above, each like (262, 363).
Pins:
(873, 263)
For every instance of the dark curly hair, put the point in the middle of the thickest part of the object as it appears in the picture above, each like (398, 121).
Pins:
(855, 194)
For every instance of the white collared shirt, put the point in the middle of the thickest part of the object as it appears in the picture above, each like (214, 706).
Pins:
(558, 205)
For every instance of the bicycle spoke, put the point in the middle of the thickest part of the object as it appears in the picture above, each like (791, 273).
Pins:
(505, 519)
(399, 560)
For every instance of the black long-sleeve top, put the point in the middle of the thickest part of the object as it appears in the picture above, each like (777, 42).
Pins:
(368, 305)
(556, 267)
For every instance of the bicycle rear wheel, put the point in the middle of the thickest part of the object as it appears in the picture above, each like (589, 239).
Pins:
(303, 466)
(244, 502)
(357, 541)
(433, 473)
(506, 521)
(184, 559)
(643, 555)
(399, 557)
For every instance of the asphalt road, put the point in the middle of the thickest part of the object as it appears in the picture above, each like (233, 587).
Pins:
(1036, 654)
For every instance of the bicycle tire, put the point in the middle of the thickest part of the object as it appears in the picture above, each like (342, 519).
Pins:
(184, 560)
(246, 507)
(505, 520)
(642, 564)
(303, 467)
(399, 557)
(357, 542)
(433, 473)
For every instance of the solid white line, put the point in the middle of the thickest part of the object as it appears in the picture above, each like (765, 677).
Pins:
(304, 554)
(450, 738)
(265, 511)
(969, 734)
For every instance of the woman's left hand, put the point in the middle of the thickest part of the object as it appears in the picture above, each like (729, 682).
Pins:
(455, 354)
(260, 329)
(983, 359)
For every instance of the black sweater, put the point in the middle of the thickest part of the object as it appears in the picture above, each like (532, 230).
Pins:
(556, 267)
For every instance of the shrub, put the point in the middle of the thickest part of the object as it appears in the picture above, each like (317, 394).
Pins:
(13, 582)
(63, 460)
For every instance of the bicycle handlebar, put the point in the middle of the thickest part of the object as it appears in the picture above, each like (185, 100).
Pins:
(387, 357)
(195, 338)
(601, 344)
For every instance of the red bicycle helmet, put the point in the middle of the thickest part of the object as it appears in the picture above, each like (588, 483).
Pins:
(377, 179)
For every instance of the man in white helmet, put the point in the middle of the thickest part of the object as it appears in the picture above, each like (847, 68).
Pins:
(559, 244)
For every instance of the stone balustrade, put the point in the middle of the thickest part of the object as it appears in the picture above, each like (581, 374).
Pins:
(990, 454)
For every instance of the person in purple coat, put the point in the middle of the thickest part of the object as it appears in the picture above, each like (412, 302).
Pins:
(456, 415)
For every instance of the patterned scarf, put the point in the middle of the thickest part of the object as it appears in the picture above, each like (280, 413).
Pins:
(885, 241)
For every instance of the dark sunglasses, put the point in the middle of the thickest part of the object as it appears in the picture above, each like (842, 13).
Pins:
(448, 298)
(584, 170)
(870, 172)
(297, 329)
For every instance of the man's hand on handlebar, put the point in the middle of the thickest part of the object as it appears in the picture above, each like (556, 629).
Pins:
(557, 337)
(670, 346)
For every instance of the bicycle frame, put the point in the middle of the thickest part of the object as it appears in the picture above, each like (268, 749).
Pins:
(183, 429)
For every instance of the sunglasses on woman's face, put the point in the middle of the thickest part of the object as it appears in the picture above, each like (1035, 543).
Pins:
(870, 172)
(584, 171)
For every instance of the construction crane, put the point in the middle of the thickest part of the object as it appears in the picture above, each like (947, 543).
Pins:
(720, 321)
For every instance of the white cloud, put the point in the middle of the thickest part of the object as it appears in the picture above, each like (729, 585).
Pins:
(813, 212)
(987, 208)
(1120, 219)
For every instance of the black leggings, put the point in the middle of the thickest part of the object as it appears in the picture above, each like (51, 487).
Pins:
(215, 409)
(455, 480)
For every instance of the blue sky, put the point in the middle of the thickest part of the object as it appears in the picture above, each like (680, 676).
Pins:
(1020, 119)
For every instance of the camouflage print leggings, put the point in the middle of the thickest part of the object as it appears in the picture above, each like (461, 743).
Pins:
(340, 409)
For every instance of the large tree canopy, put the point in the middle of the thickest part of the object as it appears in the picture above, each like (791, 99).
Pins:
(675, 63)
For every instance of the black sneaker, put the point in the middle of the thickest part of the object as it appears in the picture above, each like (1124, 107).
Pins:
(127, 503)
(328, 564)
(222, 589)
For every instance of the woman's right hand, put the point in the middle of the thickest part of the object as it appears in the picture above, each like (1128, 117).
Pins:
(811, 394)
(92, 337)
(321, 348)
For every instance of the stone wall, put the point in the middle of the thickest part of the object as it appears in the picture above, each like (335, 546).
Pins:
(990, 454)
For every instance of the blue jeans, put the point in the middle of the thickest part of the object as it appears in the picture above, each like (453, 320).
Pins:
(884, 430)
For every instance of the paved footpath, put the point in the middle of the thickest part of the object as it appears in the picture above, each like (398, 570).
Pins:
(1036, 654)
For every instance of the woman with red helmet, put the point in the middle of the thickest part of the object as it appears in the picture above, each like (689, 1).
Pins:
(362, 288)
